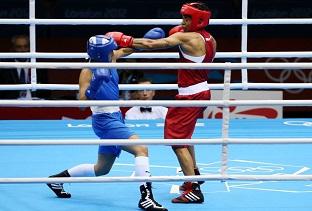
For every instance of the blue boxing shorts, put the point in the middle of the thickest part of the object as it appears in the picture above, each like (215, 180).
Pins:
(110, 126)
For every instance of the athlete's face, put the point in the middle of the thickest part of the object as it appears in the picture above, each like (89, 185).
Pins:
(186, 22)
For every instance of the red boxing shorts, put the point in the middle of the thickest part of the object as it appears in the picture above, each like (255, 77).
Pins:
(180, 121)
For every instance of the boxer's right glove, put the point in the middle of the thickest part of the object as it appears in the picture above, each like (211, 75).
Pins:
(176, 29)
(98, 76)
(123, 41)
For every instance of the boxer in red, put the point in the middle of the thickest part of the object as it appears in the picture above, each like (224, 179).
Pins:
(196, 45)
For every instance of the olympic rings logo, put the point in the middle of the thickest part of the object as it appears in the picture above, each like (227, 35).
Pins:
(299, 123)
(285, 74)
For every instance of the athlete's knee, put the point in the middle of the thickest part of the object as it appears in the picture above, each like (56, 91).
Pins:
(139, 150)
(177, 148)
(134, 137)
(101, 170)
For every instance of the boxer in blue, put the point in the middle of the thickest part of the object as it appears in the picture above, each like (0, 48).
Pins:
(107, 122)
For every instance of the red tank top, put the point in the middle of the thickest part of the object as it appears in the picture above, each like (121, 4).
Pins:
(190, 77)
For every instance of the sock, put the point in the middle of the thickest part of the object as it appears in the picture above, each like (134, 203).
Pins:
(196, 170)
(142, 166)
(82, 170)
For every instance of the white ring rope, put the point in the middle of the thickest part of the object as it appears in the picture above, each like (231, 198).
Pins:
(260, 21)
(161, 65)
(225, 122)
(158, 178)
(286, 177)
(130, 103)
(159, 55)
(214, 141)
(160, 86)
(244, 43)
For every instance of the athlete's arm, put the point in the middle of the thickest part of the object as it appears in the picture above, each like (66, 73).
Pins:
(122, 52)
(168, 42)
(84, 82)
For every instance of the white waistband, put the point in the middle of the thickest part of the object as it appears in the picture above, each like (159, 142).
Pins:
(194, 89)
(104, 109)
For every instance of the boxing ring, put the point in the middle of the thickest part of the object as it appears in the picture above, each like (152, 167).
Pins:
(249, 164)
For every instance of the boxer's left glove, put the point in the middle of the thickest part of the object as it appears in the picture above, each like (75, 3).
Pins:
(155, 33)
(123, 41)
(99, 75)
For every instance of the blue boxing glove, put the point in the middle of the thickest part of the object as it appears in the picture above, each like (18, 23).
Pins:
(155, 33)
(99, 75)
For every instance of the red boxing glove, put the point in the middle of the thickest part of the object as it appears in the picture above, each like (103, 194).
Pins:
(122, 40)
(176, 29)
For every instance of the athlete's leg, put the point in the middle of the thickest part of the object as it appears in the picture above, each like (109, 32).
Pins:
(180, 123)
(136, 150)
(191, 150)
(102, 167)
(183, 187)
(185, 160)
(196, 168)
(147, 201)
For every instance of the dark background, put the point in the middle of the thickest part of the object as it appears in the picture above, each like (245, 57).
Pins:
(56, 38)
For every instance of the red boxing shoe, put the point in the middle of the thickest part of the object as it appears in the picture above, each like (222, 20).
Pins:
(183, 186)
(192, 194)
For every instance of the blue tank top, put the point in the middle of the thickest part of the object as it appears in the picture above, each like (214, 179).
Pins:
(109, 90)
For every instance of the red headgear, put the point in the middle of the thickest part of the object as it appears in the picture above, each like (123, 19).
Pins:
(200, 18)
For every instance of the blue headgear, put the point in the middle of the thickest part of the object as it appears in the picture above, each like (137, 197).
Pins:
(99, 47)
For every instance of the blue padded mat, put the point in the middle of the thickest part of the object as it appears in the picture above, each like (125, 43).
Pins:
(41, 161)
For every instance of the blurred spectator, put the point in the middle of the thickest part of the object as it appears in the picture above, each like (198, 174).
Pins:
(150, 112)
(20, 44)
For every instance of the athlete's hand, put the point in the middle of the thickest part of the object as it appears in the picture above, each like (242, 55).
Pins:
(155, 33)
(123, 41)
(176, 29)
